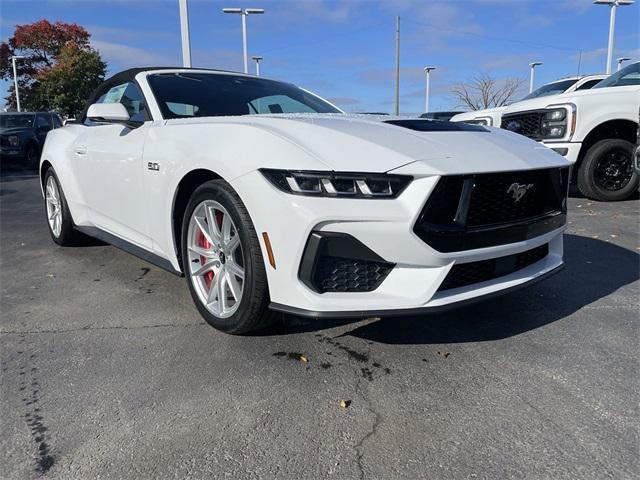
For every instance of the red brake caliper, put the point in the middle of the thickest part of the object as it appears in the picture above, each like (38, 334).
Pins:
(204, 243)
(201, 240)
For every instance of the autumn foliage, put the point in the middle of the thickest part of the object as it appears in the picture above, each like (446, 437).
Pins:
(59, 70)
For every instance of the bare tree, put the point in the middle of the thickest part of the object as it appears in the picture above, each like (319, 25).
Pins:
(484, 91)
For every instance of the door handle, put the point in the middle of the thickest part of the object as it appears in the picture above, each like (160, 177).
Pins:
(81, 149)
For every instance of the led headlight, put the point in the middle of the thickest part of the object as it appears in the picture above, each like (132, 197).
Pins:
(555, 122)
(14, 140)
(335, 184)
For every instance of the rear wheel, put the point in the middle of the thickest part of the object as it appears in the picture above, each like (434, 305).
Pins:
(223, 262)
(606, 173)
(59, 218)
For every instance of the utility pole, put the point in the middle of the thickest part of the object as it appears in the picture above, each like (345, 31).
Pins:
(397, 92)
(427, 70)
(184, 33)
(15, 79)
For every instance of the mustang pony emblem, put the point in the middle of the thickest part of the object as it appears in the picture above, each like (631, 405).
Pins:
(518, 190)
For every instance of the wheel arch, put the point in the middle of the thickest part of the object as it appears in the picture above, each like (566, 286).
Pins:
(620, 128)
(186, 186)
(44, 167)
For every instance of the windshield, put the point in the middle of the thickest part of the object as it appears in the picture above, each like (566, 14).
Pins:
(629, 75)
(555, 88)
(16, 121)
(185, 95)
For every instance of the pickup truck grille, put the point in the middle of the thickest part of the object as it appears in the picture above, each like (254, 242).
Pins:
(475, 211)
(528, 124)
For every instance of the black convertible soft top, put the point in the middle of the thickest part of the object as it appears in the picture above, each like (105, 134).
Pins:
(129, 76)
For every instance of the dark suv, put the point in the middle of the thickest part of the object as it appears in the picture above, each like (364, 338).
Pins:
(22, 135)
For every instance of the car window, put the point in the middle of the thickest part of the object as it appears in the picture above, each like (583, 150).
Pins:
(629, 75)
(588, 84)
(554, 88)
(57, 123)
(19, 120)
(129, 95)
(183, 95)
(278, 104)
(43, 122)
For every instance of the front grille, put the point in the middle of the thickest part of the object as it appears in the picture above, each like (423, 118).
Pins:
(481, 210)
(335, 274)
(528, 124)
(493, 201)
(475, 272)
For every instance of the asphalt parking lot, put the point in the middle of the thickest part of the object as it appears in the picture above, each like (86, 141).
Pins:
(108, 371)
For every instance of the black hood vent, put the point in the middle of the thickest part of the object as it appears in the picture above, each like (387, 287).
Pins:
(436, 126)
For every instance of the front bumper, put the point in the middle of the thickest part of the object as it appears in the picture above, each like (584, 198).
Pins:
(568, 150)
(386, 228)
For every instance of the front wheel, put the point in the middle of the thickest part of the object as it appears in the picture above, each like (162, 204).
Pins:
(59, 218)
(606, 173)
(223, 262)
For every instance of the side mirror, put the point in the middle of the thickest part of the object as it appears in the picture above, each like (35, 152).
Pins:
(108, 112)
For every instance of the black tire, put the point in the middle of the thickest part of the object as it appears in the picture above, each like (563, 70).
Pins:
(68, 234)
(253, 313)
(32, 156)
(606, 172)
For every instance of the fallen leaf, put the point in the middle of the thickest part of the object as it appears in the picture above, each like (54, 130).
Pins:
(345, 403)
(444, 354)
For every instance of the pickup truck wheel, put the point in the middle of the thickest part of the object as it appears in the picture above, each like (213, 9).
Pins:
(59, 218)
(222, 261)
(606, 173)
(32, 156)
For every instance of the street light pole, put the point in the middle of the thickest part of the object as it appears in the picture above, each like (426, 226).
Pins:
(397, 88)
(533, 65)
(15, 79)
(184, 34)
(257, 59)
(427, 70)
(614, 4)
(620, 60)
(243, 12)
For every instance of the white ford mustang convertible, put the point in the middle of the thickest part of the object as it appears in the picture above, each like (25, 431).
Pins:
(270, 199)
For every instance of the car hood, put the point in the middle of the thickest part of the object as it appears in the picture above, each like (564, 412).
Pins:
(369, 143)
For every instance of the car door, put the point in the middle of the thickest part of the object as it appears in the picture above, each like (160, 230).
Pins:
(109, 160)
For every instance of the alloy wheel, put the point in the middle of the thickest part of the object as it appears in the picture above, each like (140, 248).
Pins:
(216, 263)
(54, 206)
(614, 169)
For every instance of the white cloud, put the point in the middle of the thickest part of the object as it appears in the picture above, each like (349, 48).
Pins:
(124, 56)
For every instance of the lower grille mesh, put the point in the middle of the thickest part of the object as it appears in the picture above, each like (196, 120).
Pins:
(475, 272)
(335, 274)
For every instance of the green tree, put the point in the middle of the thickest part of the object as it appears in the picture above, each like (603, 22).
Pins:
(59, 68)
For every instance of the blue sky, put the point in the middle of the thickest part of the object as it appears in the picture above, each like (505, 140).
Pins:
(344, 50)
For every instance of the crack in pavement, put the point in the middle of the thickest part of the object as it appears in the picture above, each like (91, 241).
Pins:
(377, 420)
(80, 329)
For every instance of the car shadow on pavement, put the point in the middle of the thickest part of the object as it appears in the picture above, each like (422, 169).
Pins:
(594, 269)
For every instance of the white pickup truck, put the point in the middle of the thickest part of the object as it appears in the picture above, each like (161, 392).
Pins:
(490, 117)
(594, 129)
